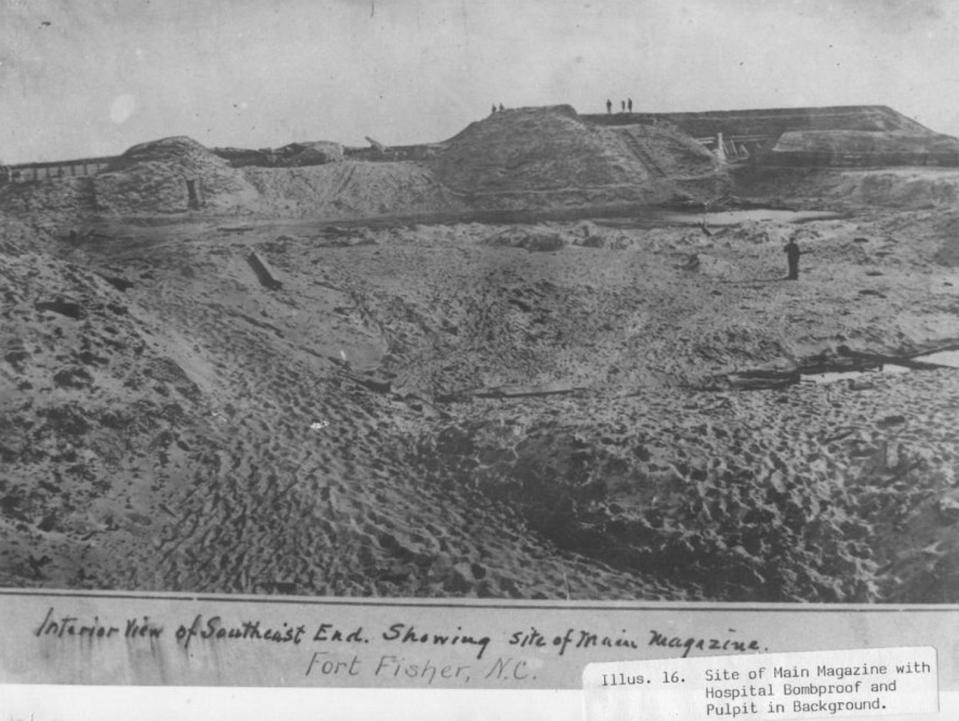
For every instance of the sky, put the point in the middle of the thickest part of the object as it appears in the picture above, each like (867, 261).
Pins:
(92, 78)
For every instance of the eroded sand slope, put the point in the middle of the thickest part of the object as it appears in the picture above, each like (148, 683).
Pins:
(170, 423)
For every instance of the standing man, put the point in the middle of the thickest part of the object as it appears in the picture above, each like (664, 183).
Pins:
(629, 104)
(622, 105)
(609, 106)
(792, 258)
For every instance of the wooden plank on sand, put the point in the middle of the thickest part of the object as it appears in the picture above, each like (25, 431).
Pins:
(264, 273)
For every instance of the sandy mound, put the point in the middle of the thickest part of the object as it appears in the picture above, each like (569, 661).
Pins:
(535, 157)
(901, 187)
(17, 237)
(350, 189)
(152, 178)
(318, 152)
(827, 147)
(875, 118)
(315, 152)
(710, 266)
(528, 149)
(667, 152)
(904, 187)
(94, 430)
(51, 204)
(948, 230)
(550, 237)
(771, 122)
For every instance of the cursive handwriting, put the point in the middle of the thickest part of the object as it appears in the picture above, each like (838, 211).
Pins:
(214, 628)
(408, 634)
(72, 626)
(701, 644)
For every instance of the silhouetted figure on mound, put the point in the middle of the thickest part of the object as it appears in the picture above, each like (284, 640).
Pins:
(629, 104)
(792, 259)
(622, 104)
(501, 108)
(609, 106)
(494, 109)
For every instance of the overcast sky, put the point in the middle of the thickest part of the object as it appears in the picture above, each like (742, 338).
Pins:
(94, 77)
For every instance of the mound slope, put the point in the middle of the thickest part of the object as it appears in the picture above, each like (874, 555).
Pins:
(85, 383)
(534, 157)
(774, 121)
(48, 205)
(350, 189)
(152, 178)
(829, 146)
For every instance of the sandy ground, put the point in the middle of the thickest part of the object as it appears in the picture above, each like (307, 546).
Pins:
(169, 423)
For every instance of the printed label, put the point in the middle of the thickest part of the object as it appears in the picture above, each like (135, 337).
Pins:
(808, 685)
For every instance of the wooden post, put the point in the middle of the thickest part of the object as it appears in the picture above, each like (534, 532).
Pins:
(720, 149)
(193, 200)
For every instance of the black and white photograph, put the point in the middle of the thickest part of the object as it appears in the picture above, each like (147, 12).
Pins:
(566, 301)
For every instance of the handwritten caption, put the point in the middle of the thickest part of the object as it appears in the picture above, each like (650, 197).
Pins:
(862, 682)
(397, 652)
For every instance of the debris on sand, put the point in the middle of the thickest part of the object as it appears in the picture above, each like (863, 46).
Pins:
(948, 507)
(121, 284)
(67, 308)
(376, 382)
(264, 273)
(532, 239)
(337, 237)
(527, 391)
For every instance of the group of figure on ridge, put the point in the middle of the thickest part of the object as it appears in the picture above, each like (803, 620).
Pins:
(625, 105)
